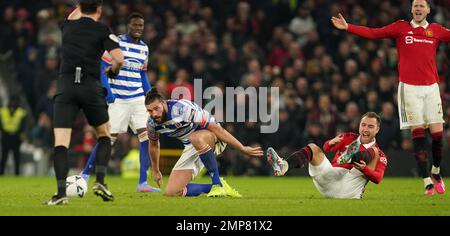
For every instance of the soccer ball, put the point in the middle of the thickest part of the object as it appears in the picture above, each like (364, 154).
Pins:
(76, 186)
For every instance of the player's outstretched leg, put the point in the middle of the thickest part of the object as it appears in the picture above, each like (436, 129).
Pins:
(279, 165)
(298, 159)
(202, 141)
(436, 147)
(86, 173)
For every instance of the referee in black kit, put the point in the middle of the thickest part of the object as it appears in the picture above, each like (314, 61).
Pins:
(83, 43)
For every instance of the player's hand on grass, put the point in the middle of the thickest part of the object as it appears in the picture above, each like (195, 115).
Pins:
(253, 151)
(157, 177)
(360, 166)
(339, 22)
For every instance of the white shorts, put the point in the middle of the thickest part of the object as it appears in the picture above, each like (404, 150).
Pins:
(419, 105)
(190, 160)
(337, 182)
(122, 115)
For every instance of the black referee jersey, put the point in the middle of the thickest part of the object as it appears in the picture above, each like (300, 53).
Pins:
(78, 87)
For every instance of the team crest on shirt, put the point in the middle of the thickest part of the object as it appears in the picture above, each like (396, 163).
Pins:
(410, 117)
(429, 33)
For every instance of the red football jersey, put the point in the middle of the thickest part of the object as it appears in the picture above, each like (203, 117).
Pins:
(416, 48)
(375, 175)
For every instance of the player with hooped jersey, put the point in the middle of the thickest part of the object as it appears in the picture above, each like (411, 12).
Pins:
(126, 95)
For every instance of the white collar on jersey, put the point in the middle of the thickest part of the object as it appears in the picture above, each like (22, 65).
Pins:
(414, 25)
(367, 145)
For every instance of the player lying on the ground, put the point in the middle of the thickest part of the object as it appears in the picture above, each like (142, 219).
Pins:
(126, 95)
(419, 101)
(203, 139)
(358, 159)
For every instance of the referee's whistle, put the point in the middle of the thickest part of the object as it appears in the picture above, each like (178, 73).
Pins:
(78, 75)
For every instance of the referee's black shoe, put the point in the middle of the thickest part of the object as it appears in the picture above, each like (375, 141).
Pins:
(102, 191)
(56, 200)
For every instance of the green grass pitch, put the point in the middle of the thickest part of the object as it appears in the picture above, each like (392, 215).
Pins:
(263, 196)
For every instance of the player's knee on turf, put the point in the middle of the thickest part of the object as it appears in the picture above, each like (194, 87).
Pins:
(173, 192)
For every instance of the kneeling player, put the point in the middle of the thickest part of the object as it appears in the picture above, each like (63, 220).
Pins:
(202, 137)
(358, 159)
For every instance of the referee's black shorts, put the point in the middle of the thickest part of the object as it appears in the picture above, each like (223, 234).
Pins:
(71, 97)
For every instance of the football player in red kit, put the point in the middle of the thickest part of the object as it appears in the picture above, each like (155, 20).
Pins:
(419, 102)
(358, 159)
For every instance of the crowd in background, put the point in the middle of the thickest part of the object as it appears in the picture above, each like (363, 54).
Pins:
(327, 78)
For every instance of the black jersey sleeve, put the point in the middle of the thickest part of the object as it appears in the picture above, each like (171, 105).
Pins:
(63, 23)
(110, 41)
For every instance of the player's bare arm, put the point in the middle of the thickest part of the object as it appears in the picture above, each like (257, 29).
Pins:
(154, 147)
(117, 60)
(339, 22)
(226, 137)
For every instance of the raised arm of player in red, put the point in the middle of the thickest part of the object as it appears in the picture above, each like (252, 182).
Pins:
(389, 31)
(444, 35)
(328, 148)
(340, 140)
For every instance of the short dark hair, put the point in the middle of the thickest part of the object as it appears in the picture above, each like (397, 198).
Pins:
(152, 95)
(134, 15)
(372, 114)
(89, 6)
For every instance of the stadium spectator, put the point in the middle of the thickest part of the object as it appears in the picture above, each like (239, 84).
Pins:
(389, 135)
(419, 102)
(358, 160)
(12, 126)
(325, 114)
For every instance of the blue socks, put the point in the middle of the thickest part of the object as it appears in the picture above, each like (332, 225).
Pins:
(193, 190)
(209, 161)
(144, 159)
(90, 164)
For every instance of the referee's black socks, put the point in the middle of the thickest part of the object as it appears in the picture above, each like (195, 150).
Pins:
(102, 158)
(61, 166)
